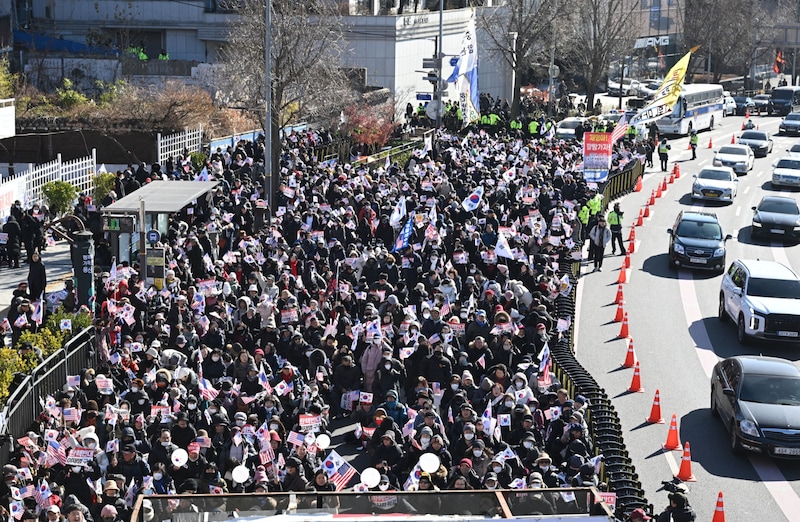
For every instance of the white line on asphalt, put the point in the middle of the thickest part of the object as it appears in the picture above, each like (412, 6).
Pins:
(701, 163)
(738, 211)
(746, 190)
(759, 173)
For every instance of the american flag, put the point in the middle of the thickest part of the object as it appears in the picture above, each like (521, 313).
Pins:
(27, 491)
(55, 451)
(295, 438)
(71, 414)
(263, 379)
(544, 366)
(620, 129)
(206, 389)
(342, 476)
(42, 492)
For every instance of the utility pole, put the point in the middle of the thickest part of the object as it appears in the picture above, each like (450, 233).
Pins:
(550, 72)
(439, 54)
(142, 242)
(269, 190)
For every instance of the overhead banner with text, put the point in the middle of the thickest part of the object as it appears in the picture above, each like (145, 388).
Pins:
(667, 93)
(597, 150)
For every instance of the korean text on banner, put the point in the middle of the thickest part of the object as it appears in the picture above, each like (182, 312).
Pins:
(11, 191)
(597, 150)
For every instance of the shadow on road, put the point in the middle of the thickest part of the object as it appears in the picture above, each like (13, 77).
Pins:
(658, 265)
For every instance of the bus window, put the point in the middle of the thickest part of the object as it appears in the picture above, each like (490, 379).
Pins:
(683, 107)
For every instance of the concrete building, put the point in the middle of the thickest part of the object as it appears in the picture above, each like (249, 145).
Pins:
(386, 41)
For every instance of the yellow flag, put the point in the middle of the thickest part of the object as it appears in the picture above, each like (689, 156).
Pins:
(666, 96)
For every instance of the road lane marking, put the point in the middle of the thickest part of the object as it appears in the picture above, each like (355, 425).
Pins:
(738, 210)
(746, 189)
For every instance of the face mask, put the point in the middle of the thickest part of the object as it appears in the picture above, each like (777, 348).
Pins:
(497, 469)
(192, 406)
(91, 445)
(158, 476)
(383, 487)
(273, 427)
(535, 485)
(544, 466)
(388, 366)
(70, 394)
(215, 358)
(454, 387)
(141, 401)
(426, 315)
(165, 443)
(509, 404)
(469, 436)
(506, 347)
(76, 469)
(528, 445)
(519, 384)
(425, 440)
(135, 389)
(477, 453)
(212, 411)
(491, 486)
(390, 402)
(240, 423)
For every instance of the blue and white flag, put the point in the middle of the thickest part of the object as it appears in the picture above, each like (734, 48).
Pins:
(473, 201)
(404, 237)
(399, 212)
(465, 75)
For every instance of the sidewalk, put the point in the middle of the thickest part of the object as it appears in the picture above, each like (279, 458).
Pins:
(56, 261)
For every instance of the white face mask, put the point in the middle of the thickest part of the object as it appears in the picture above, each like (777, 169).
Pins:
(477, 453)
(212, 411)
(491, 486)
(240, 423)
(509, 404)
(158, 476)
(91, 445)
(76, 469)
(528, 445)
(215, 358)
(192, 406)
(426, 315)
(519, 384)
(536, 485)
(497, 469)
(165, 443)
(388, 366)
(469, 436)
(383, 487)
(134, 389)
(425, 440)
(454, 387)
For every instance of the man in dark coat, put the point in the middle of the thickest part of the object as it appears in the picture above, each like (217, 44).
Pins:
(14, 231)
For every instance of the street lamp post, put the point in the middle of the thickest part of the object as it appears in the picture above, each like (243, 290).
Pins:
(268, 189)
(439, 55)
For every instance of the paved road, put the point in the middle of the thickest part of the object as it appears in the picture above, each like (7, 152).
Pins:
(678, 339)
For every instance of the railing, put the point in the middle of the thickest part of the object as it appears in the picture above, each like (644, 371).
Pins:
(78, 172)
(379, 158)
(618, 470)
(172, 145)
(23, 406)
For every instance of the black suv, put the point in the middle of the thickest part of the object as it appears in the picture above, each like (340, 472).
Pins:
(696, 241)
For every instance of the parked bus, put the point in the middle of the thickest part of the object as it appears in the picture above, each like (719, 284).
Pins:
(699, 107)
(784, 100)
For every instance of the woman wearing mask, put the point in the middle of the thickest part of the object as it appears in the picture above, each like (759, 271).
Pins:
(139, 400)
(162, 482)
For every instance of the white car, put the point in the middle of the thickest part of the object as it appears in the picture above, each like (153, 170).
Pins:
(786, 172)
(565, 130)
(729, 106)
(738, 157)
(628, 87)
(794, 151)
(715, 184)
(763, 299)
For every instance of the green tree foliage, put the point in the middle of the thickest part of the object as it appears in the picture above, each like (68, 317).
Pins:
(60, 195)
(103, 184)
(67, 97)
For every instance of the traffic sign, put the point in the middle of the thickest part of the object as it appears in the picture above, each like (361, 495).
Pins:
(432, 77)
(429, 63)
(153, 236)
(424, 96)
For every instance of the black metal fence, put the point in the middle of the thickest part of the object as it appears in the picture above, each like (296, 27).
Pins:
(618, 470)
(23, 406)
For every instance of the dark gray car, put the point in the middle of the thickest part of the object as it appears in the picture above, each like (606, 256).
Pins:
(757, 140)
(776, 216)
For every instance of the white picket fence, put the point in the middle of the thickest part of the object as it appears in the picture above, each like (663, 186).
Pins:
(26, 185)
(172, 145)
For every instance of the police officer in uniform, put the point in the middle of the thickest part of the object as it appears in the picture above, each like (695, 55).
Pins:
(693, 140)
(663, 153)
(615, 224)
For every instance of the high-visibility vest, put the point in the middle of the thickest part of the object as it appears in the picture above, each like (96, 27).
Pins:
(663, 148)
(533, 127)
(595, 204)
(614, 218)
(583, 215)
(694, 139)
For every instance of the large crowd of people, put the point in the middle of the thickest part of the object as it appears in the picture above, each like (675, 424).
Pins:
(408, 305)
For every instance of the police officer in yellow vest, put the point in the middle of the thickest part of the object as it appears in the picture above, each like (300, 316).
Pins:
(614, 219)
(663, 153)
(533, 128)
(693, 140)
(630, 135)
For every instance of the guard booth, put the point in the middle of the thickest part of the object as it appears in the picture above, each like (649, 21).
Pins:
(147, 211)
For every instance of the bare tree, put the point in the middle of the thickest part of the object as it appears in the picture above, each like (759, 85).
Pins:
(307, 82)
(599, 30)
(523, 32)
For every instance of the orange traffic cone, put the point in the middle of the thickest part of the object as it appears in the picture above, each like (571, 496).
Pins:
(658, 191)
(623, 332)
(623, 276)
(626, 263)
(655, 413)
(620, 296)
(689, 146)
(747, 114)
(630, 357)
(631, 249)
(636, 382)
(672, 177)
(676, 170)
(638, 187)
(632, 235)
(647, 210)
(652, 200)
(733, 138)
(685, 473)
(664, 184)
(719, 511)
(673, 443)
(620, 311)
(639, 221)
(710, 146)
(743, 122)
